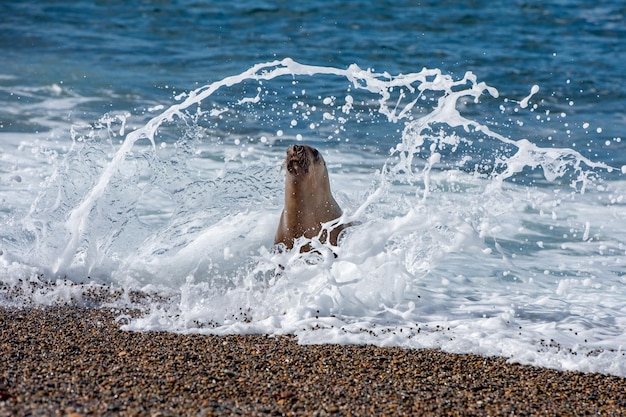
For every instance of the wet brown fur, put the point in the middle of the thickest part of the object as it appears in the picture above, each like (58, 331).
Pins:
(308, 199)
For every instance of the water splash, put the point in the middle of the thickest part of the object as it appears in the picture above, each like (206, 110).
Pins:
(448, 228)
(554, 162)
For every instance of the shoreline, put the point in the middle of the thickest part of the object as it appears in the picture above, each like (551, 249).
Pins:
(76, 361)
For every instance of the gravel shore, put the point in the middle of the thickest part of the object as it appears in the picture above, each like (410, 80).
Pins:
(75, 361)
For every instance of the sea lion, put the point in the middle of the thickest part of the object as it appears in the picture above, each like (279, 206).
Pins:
(308, 199)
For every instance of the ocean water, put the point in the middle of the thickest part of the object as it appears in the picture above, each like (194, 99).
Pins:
(477, 149)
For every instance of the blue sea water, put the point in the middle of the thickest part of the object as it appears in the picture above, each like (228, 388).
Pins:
(478, 145)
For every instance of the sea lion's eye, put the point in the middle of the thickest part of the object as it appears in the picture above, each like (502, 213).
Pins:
(316, 154)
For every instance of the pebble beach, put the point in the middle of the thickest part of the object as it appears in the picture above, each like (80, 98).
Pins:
(75, 361)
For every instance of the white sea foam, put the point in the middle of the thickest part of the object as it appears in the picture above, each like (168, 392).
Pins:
(463, 239)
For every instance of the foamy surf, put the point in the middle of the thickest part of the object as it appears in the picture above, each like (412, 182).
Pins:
(466, 240)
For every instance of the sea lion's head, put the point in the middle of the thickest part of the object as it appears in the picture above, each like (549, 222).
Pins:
(302, 159)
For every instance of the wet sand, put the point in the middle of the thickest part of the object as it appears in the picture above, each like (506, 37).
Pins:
(75, 361)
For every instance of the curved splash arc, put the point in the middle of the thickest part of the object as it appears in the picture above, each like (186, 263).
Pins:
(553, 161)
(77, 221)
(377, 83)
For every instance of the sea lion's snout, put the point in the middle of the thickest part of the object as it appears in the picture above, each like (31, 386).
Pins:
(297, 160)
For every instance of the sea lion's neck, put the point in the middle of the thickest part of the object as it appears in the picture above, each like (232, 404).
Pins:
(297, 190)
